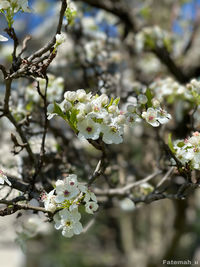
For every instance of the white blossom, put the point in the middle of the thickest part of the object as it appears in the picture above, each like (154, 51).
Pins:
(66, 189)
(112, 134)
(60, 38)
(88, 129)
(91, 207)
(151, 117)
(49, 201)
(68, 222)
(3, 178)
(188, 150)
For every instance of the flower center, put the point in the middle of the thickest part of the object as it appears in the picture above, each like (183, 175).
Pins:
(113, 129)
(71, 183)
(68, 223)
(131, 119)
(96, 109)
(89, 129)
(66, 193)
(151, 118)
(90, 206)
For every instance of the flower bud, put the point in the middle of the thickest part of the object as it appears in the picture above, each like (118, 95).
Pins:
(155, 102)
(88, 107)
(67, 105)
(107, 119)
(70, 96)
(81, 95)
(121, 119)
(112, 109)
(142, 99)
(50, 108)
(131, 108)
(80, 116)
(60, 38)
(104, 99)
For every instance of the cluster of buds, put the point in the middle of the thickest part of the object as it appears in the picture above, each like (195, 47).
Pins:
(64, 200)
(94, 117)
(188, 151)
(152, 37)
(170, 90)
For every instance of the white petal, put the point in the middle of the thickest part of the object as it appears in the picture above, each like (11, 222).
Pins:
(3, 39)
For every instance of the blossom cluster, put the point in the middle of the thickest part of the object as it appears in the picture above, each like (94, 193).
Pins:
(152, 37)
(10, 7)
(168, 89)
(144, 106)
(65, 200)
(92, 117)
(171, 90)
(188, 151)
(16, 5)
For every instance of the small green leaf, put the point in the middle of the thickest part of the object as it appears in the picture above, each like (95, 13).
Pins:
(170, 144)
(116, 101)
(58, 110)
(111, 102)
(73, 115)
(149, 97)
(180, 144)
(29, 106)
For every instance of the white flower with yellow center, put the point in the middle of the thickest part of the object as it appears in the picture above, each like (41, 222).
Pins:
(112, 134)
(132, 118)
(68, 222)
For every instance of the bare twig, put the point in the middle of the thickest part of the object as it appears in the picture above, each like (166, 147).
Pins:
(49, 45)
(165, 177)
(123, 190)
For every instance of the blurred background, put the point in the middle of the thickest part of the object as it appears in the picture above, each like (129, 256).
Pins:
(101, 54)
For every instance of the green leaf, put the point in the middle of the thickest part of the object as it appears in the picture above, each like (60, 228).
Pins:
(180, 144)
(73, 115)
(58, 110)
(111, 102)
(149, 97)
(145, 12)
(70, 15)
(170, 144)
(29, 106)
(116, 101)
